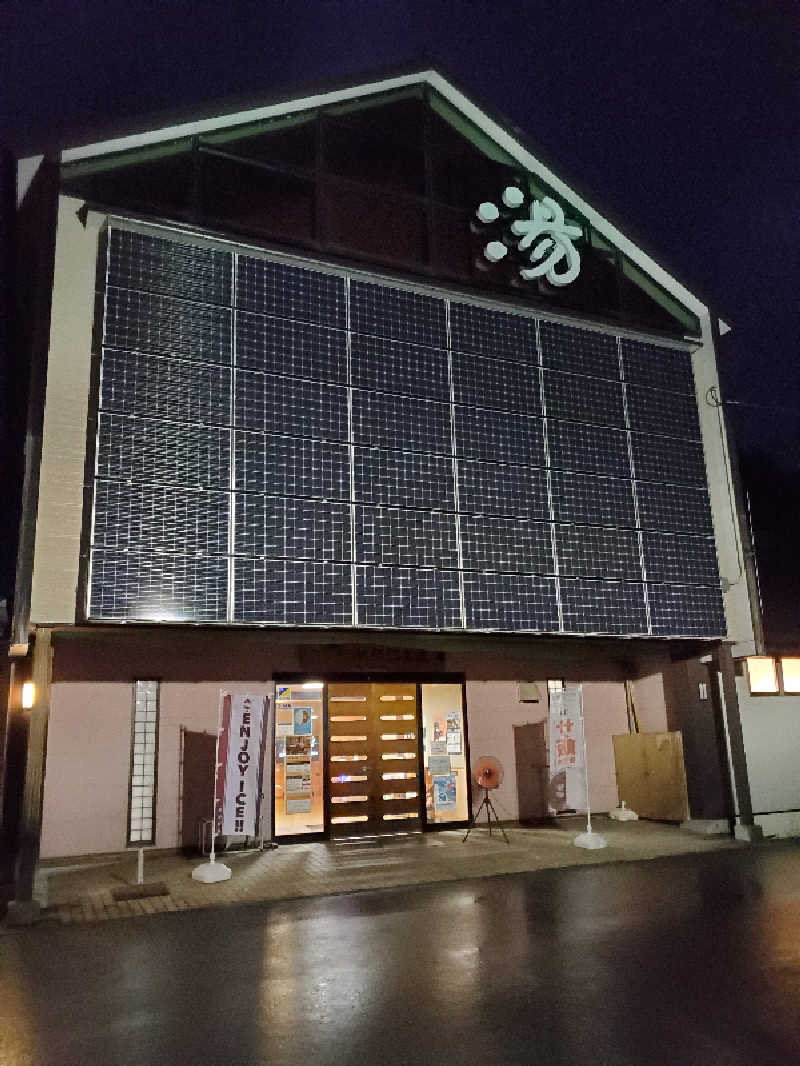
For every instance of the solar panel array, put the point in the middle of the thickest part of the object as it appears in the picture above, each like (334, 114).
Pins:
(280, 444)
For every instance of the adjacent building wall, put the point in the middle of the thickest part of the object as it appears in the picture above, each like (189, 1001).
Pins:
(771, 729)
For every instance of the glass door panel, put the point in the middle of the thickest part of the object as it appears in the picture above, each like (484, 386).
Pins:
(299, 762)
(444, 754)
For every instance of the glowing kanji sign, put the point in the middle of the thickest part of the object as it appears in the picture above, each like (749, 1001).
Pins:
(545, 235)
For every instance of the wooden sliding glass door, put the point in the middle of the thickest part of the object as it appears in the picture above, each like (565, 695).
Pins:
(373, 758)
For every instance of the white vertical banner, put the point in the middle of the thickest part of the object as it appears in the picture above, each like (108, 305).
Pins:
(568, 789)
(243, 730)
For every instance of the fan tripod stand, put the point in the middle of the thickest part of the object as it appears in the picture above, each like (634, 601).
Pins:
(490, 814)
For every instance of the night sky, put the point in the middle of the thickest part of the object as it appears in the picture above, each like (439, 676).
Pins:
(679, 120)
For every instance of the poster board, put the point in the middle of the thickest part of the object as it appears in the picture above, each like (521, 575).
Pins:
(651, 776)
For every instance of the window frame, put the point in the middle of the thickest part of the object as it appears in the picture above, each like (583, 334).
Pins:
(140, 843)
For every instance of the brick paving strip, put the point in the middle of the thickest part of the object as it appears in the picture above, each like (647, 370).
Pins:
(329, 868)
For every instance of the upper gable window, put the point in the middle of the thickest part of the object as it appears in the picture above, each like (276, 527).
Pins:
(393, 180)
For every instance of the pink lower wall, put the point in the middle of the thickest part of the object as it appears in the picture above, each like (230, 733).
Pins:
(88, 755)
(88, 762)
(195, 707)
(494, 709)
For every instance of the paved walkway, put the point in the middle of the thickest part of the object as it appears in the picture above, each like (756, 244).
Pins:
(80, 894)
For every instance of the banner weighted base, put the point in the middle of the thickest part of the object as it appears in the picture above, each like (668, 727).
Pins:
(591, 841)
(211, 872)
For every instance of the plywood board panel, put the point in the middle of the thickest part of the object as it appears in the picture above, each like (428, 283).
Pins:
(651, 776)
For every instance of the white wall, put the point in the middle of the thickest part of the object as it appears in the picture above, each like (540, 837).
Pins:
(720, 479)
(60, 511)
(771, 730)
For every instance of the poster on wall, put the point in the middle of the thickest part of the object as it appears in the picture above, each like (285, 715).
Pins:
(444, 792)
(438, 764)
(299, 805)
(298, 747)
(283, 729)
(302, 720)
(567, 783)
(240, 766)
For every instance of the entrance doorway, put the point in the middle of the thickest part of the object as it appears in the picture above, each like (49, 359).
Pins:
(530, 755)
(197, 779)
(374, 760)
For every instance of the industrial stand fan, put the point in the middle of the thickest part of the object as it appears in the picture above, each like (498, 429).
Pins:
(488, 776)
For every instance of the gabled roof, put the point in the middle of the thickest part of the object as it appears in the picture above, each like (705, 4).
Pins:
(498, 135)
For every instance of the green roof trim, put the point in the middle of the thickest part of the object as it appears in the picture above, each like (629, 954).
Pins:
(470, 131)
(253, 129)
(131, 157)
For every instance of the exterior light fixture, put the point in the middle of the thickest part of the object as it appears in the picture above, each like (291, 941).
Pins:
(28, 695)
(312, 686)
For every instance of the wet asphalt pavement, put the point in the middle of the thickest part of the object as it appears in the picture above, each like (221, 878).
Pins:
(688, 960)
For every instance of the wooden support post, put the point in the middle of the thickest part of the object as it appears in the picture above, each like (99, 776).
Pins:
(24, 909)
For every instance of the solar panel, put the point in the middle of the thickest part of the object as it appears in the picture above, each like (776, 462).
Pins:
(509, 386)
(496, 488)
(486, 331)
(161, 518)
(577, 446)
(686, 611)
(271, 526)
(580, 351)
(668, 459)
(397, 313)
(485, 434)
(397, 478)
(290, 405)
(592, 551)
(674, 507)
(400, 537)
(144, 263)
(289, 466)
(290, 292)
(510, 544)
(394, 366)
(144, 322)
(273, 437)
(165, 588)
(157, 387)
(405, 597)
(510, 602)
(680, 559)
(292, 593)
(403, 422)
(663, 412)
(583, 399)
(585, 498)
(603, 606)
(144, 449)
(657, 366)
(297, 349)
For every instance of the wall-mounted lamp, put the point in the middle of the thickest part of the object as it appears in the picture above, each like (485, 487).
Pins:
(28, 695)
